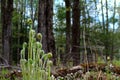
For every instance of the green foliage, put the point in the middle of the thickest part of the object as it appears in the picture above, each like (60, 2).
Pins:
(60, 12)
(100, 60)
(19, 33)
(60, 30)
(38, 64)
(113, 20)
(16, 17)
(116, 62)
(3, 73)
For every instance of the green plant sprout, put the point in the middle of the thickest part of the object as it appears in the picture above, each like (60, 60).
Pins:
(38, 65)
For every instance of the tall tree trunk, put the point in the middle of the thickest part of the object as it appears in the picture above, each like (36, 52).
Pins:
(107, 32)
(0, 36)
(68, 26)
(76, 33)
(49, 25)
(103, 20)
(42, 23)
(96, 15)
(112, 51)
(31, 14)
(6, 10)
(45, 26)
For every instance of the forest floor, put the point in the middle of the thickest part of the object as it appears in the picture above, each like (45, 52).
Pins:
(91, 71)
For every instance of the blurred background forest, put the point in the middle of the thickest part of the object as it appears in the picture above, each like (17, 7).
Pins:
(77, 31)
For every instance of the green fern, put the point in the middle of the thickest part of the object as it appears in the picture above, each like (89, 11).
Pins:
(38, 64)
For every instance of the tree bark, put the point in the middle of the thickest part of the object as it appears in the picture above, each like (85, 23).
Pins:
(50, 35)
(103, 20)
(6, 11)
(76, 33)
(42, 23)
(68, 26)
(107, 33)
(45, 26)
(112, 48)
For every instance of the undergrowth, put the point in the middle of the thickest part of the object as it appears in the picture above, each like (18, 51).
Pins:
(38, 64)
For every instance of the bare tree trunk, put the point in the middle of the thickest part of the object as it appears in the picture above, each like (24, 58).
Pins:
(68, 26)
(6, 10)
(96, 14)
(107, 32)
(49, 24)
(42, 23)
(103, 20)
(112, 52)
(76, 33)
(31, 14)
(45, 26)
